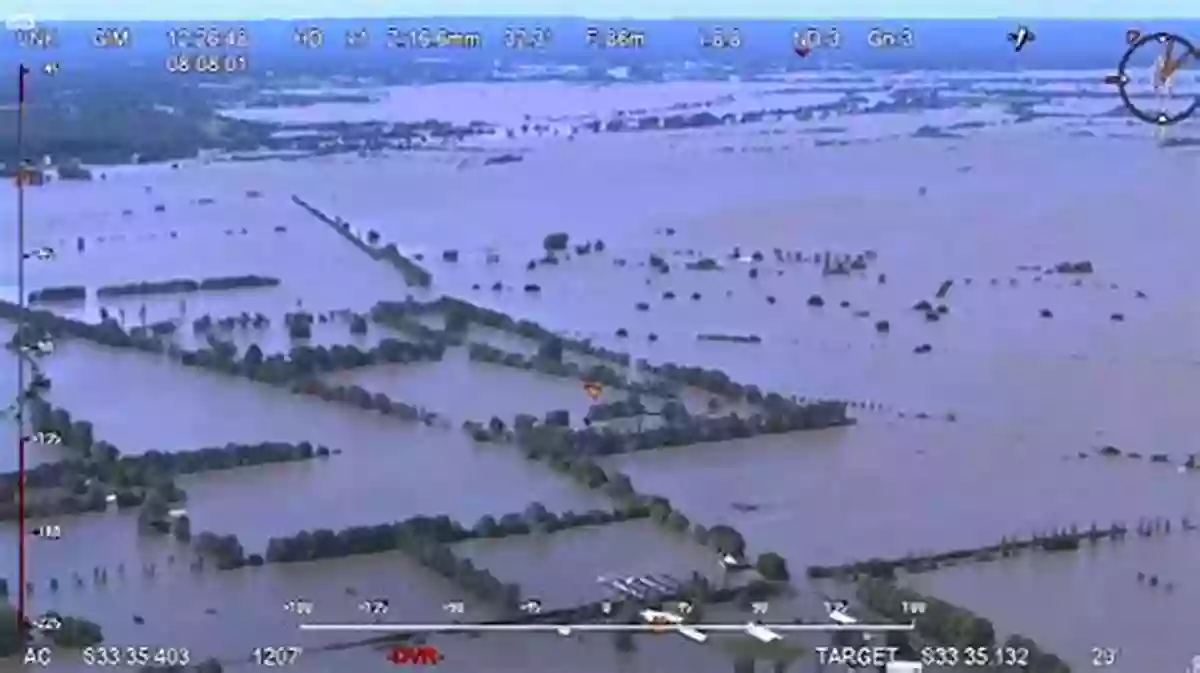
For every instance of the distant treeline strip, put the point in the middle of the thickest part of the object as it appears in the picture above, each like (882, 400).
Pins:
(427, 539)
(414, 274)
(172, 286)
(731, 338)
(1058, 541)
(315, 545)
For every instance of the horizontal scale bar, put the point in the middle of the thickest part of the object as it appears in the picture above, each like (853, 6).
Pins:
(567, 628)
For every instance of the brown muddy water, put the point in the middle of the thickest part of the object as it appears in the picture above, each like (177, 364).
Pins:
(1026, 393)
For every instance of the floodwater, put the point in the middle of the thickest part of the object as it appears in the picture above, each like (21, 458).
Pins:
(1011, 398)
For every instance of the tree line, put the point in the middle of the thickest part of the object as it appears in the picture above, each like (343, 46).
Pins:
(544, 442)
(459, 314)
(554, 436)
(549, 361)
(172, 286)
(303, 362)
(84, 482)
(182, 285)
(949, 625)
(414, 274)
(1060, 540)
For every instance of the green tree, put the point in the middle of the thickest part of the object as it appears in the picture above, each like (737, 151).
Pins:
(13, 636)
(589, 473)
(677, 522)
(81, 436)
(619, 484)
(536, 513)
(773, 567)
(76, 632)
(182, 528)
(154, 510)
(727, 540)
(104, 453)
(551, 350)
(487, 527)
(556, 242)
(660, 509)
(252, 359)
(457, 319)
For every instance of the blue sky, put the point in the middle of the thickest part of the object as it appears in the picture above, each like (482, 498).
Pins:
(129, 10)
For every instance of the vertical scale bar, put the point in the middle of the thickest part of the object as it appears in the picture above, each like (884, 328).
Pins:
(22, 72)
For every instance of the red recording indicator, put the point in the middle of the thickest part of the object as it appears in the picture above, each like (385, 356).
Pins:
(415, 655)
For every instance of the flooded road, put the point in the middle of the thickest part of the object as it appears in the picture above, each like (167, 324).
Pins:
(1011, 397)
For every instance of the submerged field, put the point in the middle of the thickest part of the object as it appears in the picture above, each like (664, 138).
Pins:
(978, 438)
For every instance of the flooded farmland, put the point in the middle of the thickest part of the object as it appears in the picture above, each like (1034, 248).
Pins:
(1025, 397)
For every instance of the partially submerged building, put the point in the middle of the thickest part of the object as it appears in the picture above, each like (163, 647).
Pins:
(73, 169)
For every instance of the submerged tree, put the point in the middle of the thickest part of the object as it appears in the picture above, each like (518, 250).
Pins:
(556, 242)
(772, 566)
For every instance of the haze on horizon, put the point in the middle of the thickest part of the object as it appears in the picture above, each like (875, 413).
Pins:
(239, 10)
